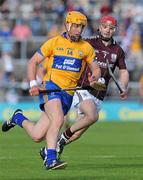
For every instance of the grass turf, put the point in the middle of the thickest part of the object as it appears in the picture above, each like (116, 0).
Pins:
(108, 151)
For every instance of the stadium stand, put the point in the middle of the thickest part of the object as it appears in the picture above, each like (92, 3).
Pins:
(38, 18)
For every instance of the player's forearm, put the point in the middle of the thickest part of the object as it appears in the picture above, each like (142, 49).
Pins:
(95, 69)
(32, 66)
(31, 70)
(96, 73)
(124, 79)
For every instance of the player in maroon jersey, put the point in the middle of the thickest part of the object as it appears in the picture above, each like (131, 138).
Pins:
(106, 49)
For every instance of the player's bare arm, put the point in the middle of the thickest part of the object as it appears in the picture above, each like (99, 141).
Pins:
(124, 79)
(96, 72)
(32, 69)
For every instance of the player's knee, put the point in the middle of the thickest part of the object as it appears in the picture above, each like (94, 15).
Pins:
(93, 117)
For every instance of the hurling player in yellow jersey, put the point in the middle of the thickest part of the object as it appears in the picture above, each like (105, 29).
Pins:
(67, 55)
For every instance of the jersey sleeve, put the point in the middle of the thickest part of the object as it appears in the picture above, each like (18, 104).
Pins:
(121, 60)
(46, 48)
(90, 56)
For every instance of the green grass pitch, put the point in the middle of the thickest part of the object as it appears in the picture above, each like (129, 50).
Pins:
(108, 151)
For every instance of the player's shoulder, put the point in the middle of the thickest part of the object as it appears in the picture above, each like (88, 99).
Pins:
(118, 46)
(91, 38)
(86, 43)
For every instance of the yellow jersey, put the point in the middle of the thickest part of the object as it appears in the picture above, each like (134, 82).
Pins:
(66, 60)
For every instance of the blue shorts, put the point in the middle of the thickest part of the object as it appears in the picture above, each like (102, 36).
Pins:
(66, 99)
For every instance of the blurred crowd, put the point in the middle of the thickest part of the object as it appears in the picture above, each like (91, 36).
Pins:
(25, 24)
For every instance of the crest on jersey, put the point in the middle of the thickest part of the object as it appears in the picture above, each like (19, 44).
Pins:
(80, 53)
(96, 51)
(113, 57)
(70, 52)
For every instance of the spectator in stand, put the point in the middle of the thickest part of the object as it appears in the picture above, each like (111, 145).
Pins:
(135, 48)
(12, 96)
(6, 50)
(24, 88)
(5, 35)
(7, 65)
(36, 24)
(4, 7)
(141, 88)
(21, 32)
(5, 30)
(105, 10)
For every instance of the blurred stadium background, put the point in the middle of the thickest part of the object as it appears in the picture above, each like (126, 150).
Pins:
(25, 24)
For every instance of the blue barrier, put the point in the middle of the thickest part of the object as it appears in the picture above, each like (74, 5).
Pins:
(30, 109)
(122, 110)
(110, 111)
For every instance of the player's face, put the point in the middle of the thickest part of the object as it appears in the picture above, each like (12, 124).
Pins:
(75, 32)
(107, 29)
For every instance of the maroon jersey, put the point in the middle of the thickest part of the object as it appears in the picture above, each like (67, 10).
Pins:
(115, 56)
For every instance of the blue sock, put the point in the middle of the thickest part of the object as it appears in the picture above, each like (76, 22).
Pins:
(18, 119)
(52, 155)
